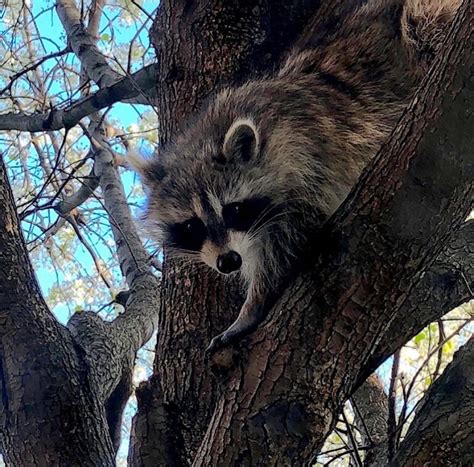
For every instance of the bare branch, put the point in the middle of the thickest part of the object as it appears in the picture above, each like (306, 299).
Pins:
(126, 88)
(371, 408)
(87, 188)
(85, 244)
(442, 431)
(392, 416)
(93, 61)
(32, 67)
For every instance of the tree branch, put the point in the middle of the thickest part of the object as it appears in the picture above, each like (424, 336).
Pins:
(292, 382)
(41, 369)
(446, 285)
(33, 66)
(87, 188)
(128, 87)
(110, 348)
(154, 436)
(442, 430)
(83, 45)
(370, 406)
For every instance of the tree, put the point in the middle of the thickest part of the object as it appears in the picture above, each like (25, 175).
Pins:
(64, 388)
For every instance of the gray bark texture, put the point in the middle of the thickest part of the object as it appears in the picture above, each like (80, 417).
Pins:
(64, 389)
(442, 432)
(48, 415)
(370, 405)
(277, 399)
(398, 256)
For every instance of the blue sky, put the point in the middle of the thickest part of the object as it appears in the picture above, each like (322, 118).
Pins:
(115, 31)
(114, 26)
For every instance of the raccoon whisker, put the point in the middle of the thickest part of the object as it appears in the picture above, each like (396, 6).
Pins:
(256, 229)
(276, 206)
(254, 232)
(258, 206)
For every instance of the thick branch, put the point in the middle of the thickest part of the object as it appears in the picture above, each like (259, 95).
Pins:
(155, 437)
(370, 406)
(110, 348)
(446, 285)
(41, 371)
(142, 81)
(442, 432)
(93, 61)
(417, 191)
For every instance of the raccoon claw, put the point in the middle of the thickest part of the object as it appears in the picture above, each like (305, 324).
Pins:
(219, 354)
(217, 343)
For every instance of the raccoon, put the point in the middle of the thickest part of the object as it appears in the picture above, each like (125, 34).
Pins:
(249, 183)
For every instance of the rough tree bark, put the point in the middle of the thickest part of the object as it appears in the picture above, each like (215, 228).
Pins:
(370, 405)
(201, 47)
(47, 410)
(63, 389)
(261, 411)
(442, 432)
(329, 321)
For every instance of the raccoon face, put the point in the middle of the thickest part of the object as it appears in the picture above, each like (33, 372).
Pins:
(209, 204)
(224, 236)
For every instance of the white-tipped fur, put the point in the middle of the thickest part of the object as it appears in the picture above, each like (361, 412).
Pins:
(313, 127)
(241, 122)
(137, 162)
(215, 202)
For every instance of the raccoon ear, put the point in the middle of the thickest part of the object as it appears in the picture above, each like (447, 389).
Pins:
(150, 171)
(242, 141)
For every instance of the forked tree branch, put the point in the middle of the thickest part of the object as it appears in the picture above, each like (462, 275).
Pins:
(142, 81)
(442, 431)
(304, 363)
(110, 348)
(41, 367)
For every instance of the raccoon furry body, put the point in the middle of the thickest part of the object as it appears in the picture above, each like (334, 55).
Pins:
(248, 184)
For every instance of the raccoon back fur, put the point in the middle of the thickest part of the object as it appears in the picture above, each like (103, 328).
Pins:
(246, 186)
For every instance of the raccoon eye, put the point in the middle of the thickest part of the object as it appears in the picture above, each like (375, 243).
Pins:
(243, 215)
(188, 235)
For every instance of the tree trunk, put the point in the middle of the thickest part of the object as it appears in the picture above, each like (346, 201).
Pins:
(48, 413)
(442, 432)
(278, 402)
(200, 48)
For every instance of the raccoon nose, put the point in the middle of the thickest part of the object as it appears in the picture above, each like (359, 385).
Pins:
(229, 262)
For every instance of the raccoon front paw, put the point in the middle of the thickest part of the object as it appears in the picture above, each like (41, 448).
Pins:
(220, 355)
(217, 343)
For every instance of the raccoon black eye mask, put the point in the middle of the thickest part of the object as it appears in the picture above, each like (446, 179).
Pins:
(248, 185)
(188, 235)
(245, 215)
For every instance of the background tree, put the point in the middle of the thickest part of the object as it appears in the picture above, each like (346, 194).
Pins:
(70, 77)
